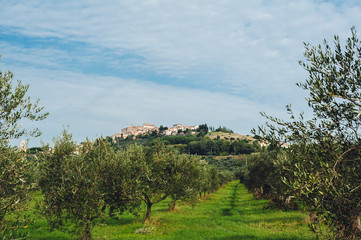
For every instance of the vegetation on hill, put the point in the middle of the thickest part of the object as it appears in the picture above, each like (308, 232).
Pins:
(204, 143)
(224, 129)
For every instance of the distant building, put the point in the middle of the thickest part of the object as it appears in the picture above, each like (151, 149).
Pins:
(179, 127)
(149, 126)
(135, 131)
(22, 146)
(265, 143)
(146, 128)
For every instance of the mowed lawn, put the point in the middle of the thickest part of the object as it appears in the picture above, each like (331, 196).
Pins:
(230, 213)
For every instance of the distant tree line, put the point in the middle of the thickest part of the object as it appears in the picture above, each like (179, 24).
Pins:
(207, 146)
(228, 166)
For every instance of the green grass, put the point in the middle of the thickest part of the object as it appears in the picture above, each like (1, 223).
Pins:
(230, 213)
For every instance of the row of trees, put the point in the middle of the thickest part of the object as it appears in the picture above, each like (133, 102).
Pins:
(80, 183)
(207, 146)
(262, 177)
(321, 170)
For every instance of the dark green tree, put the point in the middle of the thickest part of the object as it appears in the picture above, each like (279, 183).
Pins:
(162, 128)
(202, 129)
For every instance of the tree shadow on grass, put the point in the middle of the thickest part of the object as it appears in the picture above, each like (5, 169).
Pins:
(282, 219)
(54, 237)
(227, 212)
(250, 237)
(121, 220)
(235, 237)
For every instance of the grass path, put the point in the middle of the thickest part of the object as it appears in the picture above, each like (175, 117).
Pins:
(231, 213)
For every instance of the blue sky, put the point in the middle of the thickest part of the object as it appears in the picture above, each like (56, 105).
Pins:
(98, 66)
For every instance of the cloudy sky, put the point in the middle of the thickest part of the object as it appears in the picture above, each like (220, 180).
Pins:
(99, 66)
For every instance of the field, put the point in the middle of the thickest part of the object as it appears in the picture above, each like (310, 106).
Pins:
(230, 213)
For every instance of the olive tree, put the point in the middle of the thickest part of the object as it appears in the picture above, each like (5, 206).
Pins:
(69, 182)
(16, 106)
(153, 176)
(118, 176)
(160, 172)
(14, 191)
(184, 170)
(209, 179)
(14, 180)
(322, 167)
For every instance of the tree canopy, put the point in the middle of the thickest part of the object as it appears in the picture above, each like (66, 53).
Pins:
(322, 166)
(14, 167)
(15, 106)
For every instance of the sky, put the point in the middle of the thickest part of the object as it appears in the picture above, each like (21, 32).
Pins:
(100, 66)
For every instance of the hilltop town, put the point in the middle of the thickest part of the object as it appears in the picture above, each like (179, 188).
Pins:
(148, 128)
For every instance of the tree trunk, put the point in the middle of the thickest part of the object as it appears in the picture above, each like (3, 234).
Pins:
(149, 209)
(111, 211)
(288, 200)
(87, 231)
(172, 205)
(356, 224)
(312, 215)
(103, 210)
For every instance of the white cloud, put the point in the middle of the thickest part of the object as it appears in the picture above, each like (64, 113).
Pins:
(178, 37)
(96, 105)
(245, 53)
